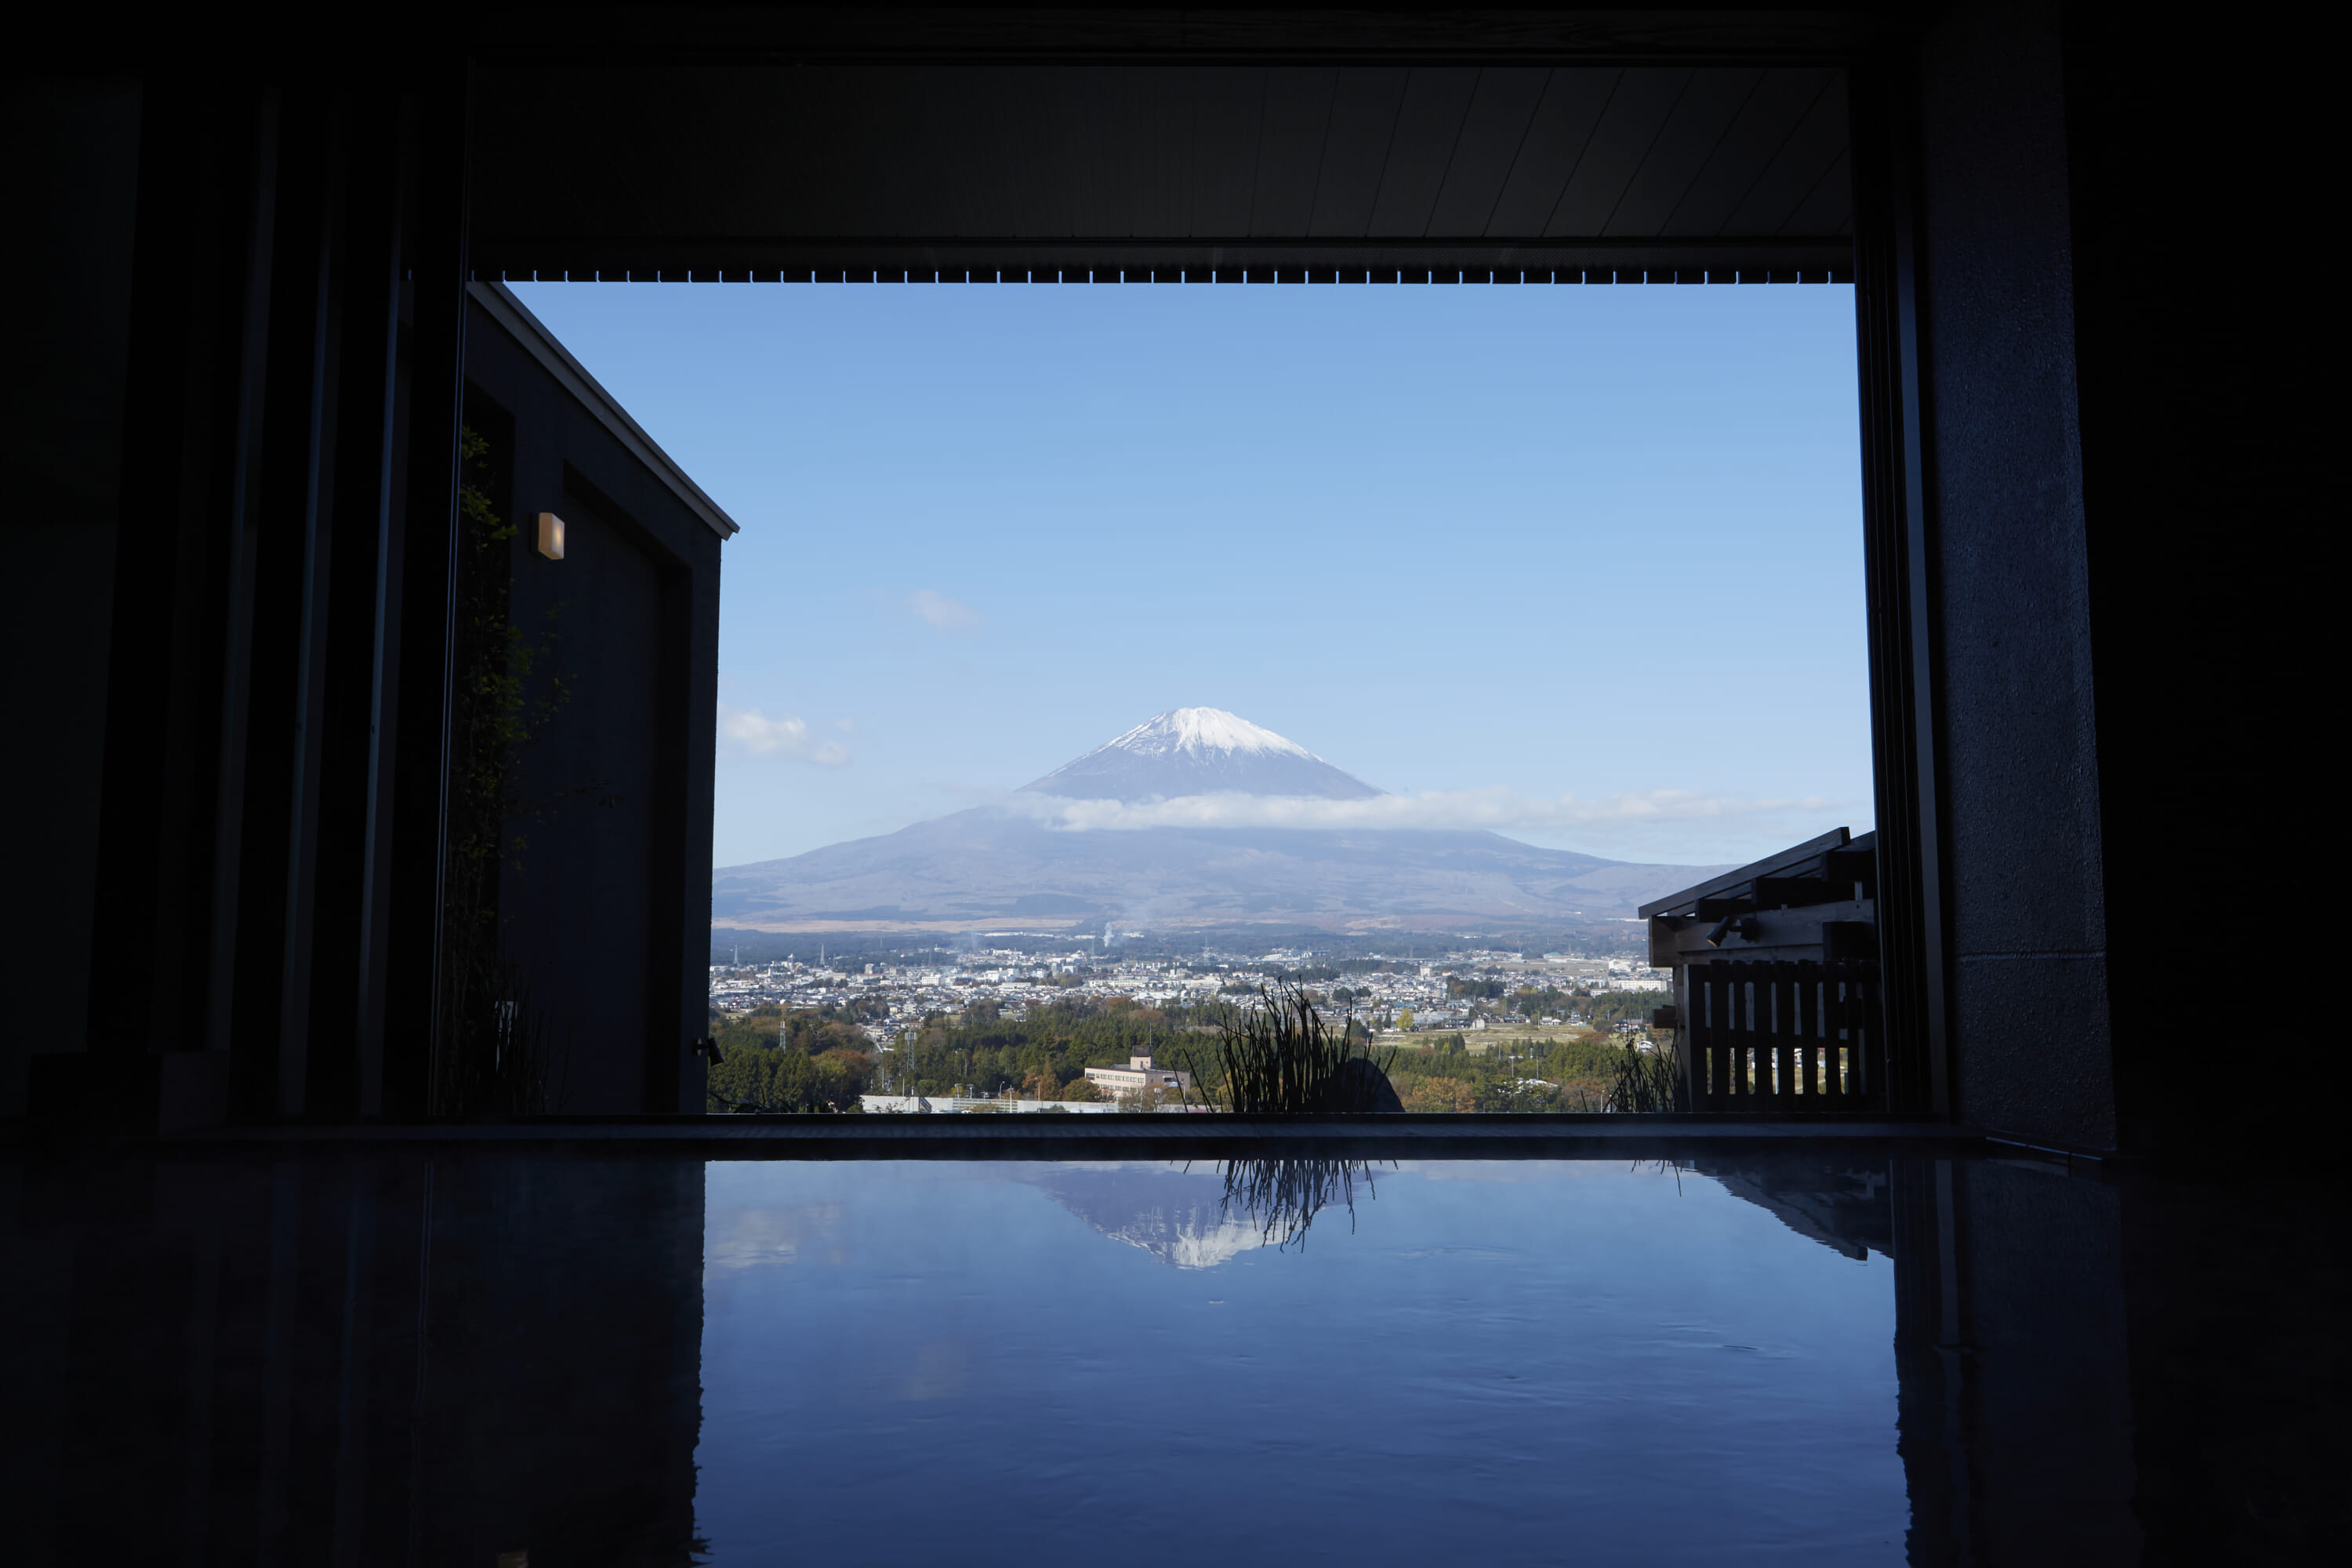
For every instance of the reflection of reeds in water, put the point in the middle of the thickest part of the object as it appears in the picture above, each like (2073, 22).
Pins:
(1283, 1196)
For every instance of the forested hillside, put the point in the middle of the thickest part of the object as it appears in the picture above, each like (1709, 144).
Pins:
(815, 1059)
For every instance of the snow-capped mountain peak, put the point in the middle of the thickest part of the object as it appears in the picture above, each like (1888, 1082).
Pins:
(1204, 730)
(1199, 751)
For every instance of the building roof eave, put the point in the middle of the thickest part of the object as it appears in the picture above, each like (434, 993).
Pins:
(501, 304)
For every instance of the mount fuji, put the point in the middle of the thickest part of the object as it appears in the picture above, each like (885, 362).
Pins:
(1199, 751)
(1021, 863)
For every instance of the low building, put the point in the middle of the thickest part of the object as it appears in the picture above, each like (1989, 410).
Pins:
(1139, 1074)
(1776, 981)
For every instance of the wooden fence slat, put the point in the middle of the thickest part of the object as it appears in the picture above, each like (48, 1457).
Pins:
(1784, 1023)
(1803, 1005)
(1789, 1039)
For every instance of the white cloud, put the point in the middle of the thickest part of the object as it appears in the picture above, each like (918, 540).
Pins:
(948, 615)
(749, 731)
(1499, 810)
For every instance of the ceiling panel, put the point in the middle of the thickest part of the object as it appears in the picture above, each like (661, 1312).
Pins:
(742, 167)
(1290, 150)
(1690, 136)
(1767, 121)
(1501, 111)
(1364, 106)
(1571, 106)
(1428, 128)
(1798, 170)
(1629, 127)
(1227, 109)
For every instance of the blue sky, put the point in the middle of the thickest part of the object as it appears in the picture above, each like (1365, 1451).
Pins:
(1581, 564)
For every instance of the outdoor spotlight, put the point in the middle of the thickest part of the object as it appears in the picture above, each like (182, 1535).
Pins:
(1746, 925)
(551, 536)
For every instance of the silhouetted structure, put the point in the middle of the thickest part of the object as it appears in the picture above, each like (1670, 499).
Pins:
(1778, 1002)
(237, 416)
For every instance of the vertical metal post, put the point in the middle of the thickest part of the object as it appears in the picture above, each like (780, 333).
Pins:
(1899, 547)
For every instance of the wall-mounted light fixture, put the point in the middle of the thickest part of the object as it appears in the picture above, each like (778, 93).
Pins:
(551, 536)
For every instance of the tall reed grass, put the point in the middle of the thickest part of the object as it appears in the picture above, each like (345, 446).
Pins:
(1647, 1081)
(1284, 1056)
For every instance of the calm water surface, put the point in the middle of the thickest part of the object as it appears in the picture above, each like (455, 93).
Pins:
(1498, 1362)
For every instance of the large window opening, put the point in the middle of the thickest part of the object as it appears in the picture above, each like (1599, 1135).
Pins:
(1095, 655)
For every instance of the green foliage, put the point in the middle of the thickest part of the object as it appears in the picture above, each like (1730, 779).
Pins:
(780, 1078)
(1621, 1006)
(1550, 1002)
(1052, 1046)
(494, 1055)
(1582, 1074)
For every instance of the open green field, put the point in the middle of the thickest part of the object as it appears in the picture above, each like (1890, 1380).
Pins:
(1478, 1042)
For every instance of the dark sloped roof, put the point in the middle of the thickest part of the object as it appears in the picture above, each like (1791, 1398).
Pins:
(500, 303)
(1836, 857)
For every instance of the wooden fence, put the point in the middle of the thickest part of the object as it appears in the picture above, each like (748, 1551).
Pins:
(1786, 1039)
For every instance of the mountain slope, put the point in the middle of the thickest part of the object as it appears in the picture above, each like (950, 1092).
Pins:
(1199, 751)
(1006, 865)
(991, 866)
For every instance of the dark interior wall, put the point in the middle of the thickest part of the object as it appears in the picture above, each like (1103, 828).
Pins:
(2010, 593)
(70, 160)
(579, 917)
(606, 917)
(2126, 472)
(2211, 432)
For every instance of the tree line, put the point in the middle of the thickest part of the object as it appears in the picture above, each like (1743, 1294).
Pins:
(814, 1057)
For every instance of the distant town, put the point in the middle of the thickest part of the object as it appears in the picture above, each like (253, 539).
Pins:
(1393, 995)
(1005, 1028)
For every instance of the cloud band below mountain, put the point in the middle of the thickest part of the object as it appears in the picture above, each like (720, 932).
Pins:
(1498, 810)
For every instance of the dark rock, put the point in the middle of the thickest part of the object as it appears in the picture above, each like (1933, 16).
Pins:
(1362, 1086)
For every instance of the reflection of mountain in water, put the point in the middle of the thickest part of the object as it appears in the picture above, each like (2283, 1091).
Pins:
(1177, 1217)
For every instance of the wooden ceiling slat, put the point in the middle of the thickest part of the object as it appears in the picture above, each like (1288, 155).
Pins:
(1428, 128)
(1028, 159)
(1828, 208)
(1769, 118)
(1571, 105)
(1364, 105)
(838, 118)
(946, 191)
(1226, 110)
(1796, 169)
(1107, 141)
(1692, 134)
(1162, 111)
(1501, 113)
(1637, 112)
(1290, 143)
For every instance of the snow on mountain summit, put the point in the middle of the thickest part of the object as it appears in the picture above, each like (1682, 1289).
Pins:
(1204, 730)
(1199, 751)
